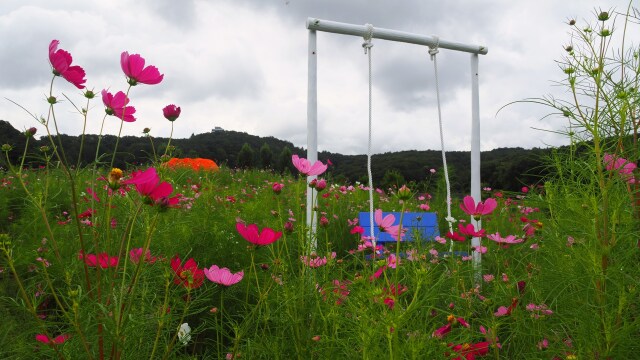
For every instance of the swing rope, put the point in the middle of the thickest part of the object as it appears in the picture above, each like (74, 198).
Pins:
(433, 50)
(367, 45)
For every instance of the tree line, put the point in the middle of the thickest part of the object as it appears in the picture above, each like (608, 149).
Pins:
(503, 168)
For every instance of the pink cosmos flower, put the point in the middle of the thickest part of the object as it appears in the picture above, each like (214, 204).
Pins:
(304, 166)
(133, 66)
(480, 249)
(384, 223)
(148, 184)
(502, 311)
(254, 236)
(136, 254)
(543, 344)
(539, 310)
(314, 261)
(57, 340)
(510, 239)
(187, 274)
(625, 167)
(103, 260)
(171, 112)
(393, 261)
(61, 63)
(483, 208)
(222, 276)
(117, 105)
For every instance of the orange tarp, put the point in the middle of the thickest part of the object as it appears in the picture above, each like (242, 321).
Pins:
(195, 164)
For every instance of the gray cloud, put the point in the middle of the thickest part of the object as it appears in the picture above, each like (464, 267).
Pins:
(241, 64)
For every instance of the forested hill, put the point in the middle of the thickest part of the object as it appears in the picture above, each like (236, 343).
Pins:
(504, 168)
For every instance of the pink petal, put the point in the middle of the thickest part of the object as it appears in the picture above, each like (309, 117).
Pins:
(489, 205)
(468, 205)
(42, 337)
(150, 76)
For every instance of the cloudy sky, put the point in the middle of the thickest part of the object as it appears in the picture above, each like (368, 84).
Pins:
(242, 65)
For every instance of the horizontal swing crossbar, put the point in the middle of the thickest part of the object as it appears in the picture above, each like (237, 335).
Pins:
(392, 35)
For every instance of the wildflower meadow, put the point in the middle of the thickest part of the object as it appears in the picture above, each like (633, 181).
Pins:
(185, 259)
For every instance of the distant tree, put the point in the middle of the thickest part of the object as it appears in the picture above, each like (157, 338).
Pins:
(266, 156)
(220, 155)
(284, 160)
(192, 154)
(392, 179)
(245, 156)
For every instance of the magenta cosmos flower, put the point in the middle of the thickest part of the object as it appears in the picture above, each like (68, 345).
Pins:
(148, 184)
(187, 274)
(252, 234)
(136, 254)
(171, 112)
(470, 230)
(483, 208)
(117, 105)
(133, 66)
(61, 63)
(222, 276)
(103, 260)
(304, 166)
(60, 339)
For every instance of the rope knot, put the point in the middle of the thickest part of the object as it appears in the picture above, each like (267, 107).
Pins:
(367, 38)
(433, 50)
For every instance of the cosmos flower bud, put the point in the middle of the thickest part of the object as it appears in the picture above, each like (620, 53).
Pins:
(44, 148)
(171, 112)
(277, 187)
(572, 22)
(6, 147)
(52, 100)
(288, 227)
(321, 185)
(605, 32)
(89, 94)
(146, 130)
(30, 132)
(603, 16)
(404, 193)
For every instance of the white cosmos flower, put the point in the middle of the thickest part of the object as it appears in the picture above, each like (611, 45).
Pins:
(184, 333)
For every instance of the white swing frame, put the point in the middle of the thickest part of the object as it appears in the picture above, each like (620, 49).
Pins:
(313, 25)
